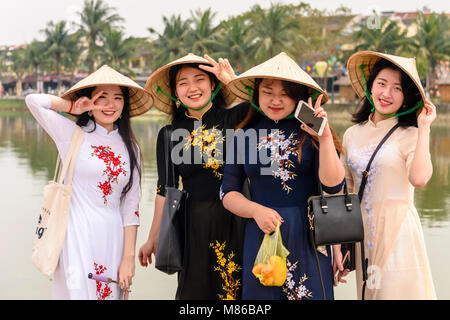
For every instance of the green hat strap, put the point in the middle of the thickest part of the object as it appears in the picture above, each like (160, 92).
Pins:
(250, 96)
(214, 94)
(314, 96)
(389, 115)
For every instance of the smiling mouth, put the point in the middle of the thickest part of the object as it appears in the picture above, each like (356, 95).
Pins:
(108, 113)
(275, 109)
(195, 96)
(384, 103)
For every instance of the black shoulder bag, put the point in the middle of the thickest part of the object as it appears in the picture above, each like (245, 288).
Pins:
(337, 219)
(171, 241)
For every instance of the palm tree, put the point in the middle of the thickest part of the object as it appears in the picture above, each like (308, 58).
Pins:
(116, 51)
(96, 17)
(203, 31)
(73, 54)
(34, 57)
(57, 42)
(170, 44)
(386, 38)
(234, 42)
(274, 30)
(432, 42)
(18, 66)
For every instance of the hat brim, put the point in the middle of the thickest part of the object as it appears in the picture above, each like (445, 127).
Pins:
(280, 67)
(370, 58)
(140, 100)
(160, 78)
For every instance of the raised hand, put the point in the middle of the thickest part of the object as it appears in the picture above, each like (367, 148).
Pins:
(318, 112)
(427, 115)
(84, 104)
(221, 69)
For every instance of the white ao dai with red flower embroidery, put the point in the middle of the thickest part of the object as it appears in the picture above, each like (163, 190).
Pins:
(98, 215)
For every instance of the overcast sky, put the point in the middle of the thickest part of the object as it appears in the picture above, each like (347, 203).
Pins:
(22, 20)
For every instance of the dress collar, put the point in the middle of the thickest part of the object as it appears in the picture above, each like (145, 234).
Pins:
(186, 113)
(101, 130)
(389, 122)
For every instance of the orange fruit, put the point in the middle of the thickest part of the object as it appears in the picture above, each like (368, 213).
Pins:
(279, 270)
(257, 269)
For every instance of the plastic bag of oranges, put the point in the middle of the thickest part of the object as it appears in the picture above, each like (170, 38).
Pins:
(270, 263)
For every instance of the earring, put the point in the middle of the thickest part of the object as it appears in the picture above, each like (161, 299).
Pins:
(90, 113)
(177, 103)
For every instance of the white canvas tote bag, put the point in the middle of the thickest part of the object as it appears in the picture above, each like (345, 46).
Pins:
(52, 224)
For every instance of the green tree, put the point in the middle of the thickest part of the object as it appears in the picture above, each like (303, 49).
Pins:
(203, 31)
(432, 42)
(57, 42)
(19, 67)
(386, 37)
(34, 57)
(234, 42)
(116, 50)
(96, 17)
(274, 30)
(170, 43)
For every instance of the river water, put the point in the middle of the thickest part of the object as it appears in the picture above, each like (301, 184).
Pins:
(27, 161)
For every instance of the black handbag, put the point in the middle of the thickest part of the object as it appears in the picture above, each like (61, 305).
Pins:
(335, 219)
(171, 241)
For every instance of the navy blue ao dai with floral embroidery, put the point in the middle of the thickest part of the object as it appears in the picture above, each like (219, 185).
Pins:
(280, 182)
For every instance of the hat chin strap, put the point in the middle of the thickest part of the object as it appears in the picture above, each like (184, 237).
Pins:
(214, 94)
(250, 99)
(389, 115)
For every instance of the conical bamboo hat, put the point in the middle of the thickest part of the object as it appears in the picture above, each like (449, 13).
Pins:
(369, 58)
(280, 67)
(140, 99)
(160, 78)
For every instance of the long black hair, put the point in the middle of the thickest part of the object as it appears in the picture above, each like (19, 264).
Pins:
(178, 113)
(125, 131)
(410, 92)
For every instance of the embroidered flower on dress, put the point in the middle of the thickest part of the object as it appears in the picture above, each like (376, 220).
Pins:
(226, 267)
(211, 142)
(357, 161)
(103, 289)
(292, 292)
(114, 167)
(280, 151)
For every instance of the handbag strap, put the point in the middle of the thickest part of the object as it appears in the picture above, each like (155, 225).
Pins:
(71, 156)
(168, 149)
(365, 173)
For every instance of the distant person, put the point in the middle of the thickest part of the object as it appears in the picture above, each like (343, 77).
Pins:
(104, 207)
(391, 94)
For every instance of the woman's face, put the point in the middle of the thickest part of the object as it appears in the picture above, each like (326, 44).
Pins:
(193, 87)
(387, 93)
(112, 101)
(274, 100)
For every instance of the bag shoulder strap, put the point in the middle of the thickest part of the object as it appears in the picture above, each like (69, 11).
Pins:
(71, 156)
(365, 173)
(168, 149)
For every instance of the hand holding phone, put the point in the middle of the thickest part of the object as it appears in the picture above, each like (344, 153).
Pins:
(305, 114)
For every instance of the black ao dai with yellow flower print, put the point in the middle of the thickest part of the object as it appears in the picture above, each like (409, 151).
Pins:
(213, 253)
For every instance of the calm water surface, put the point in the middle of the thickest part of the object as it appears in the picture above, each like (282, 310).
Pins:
(27, 161)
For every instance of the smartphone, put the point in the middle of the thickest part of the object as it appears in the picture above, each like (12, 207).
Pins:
(305, 114)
